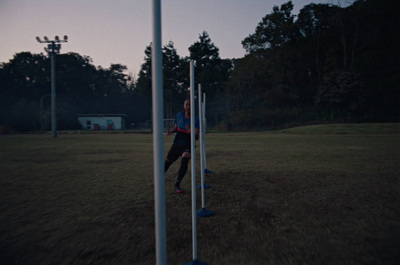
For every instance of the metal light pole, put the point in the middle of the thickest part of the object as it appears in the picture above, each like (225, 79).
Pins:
(52, 49)
(41, 111)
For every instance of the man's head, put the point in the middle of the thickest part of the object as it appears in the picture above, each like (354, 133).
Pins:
(186, 105)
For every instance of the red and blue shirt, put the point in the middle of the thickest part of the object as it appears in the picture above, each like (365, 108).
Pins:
(182, 137)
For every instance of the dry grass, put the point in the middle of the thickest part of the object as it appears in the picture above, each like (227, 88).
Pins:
(278, 198)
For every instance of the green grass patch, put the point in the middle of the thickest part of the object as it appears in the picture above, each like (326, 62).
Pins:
(278, 198)
(347, 128)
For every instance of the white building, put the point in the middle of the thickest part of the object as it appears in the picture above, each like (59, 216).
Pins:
(102, 121)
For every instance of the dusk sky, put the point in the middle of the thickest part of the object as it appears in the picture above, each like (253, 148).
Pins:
(118, 31)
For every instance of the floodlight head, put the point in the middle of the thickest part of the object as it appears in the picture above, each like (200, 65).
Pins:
(65, 38)
(38, 39)
(57, 38)
(45, 38)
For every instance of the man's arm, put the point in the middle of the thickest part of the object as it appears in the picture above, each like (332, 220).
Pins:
(174, 130)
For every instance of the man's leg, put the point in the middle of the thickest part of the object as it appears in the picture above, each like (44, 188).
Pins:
(167, 164)
(173, 155)
(182, 171)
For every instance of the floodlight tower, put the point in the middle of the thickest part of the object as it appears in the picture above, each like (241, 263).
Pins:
(52, 49)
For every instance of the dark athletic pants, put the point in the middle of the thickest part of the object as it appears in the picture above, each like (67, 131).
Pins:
(174, 153)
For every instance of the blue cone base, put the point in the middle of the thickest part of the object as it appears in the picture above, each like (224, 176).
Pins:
(207, 171)
(205, 186)
(204, 213)
(196, 262)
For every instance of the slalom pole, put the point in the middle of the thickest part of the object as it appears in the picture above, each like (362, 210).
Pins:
(205, 127)
(201, 149)
(203, 143)
(202, 140)
(203, 212)
(193, 166)
(158, 139)
(204, 130)
(193, 158)
(204, 112)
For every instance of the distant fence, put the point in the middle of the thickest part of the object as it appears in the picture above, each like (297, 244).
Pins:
(147, 125)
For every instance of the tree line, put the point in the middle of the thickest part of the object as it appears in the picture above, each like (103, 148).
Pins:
(326, 64)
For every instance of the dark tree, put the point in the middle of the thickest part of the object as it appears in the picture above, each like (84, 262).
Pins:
(273, 31)
(80, 88)
(175, 82)
(210, 70)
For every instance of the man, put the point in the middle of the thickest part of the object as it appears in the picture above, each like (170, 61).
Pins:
(181, 146)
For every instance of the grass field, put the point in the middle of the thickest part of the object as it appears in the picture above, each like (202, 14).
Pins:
(308, 195)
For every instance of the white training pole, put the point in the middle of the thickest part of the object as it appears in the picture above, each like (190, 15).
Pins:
(193, 165)
(203, 212)
(158, 139)
(205, 128)
(204, 124)
(201, 129)
(204, 112)
(193, 158)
